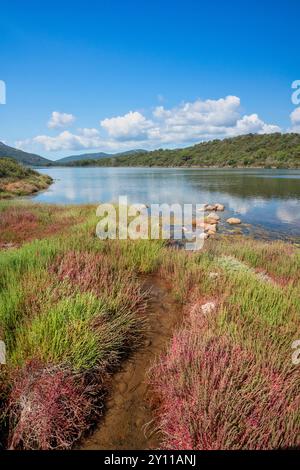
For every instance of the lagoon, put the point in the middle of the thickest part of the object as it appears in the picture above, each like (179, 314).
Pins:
(267, 201)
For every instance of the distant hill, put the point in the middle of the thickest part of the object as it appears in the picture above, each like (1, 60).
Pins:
(96, 156)
(251, 150)
(84, 156)
(23, 157)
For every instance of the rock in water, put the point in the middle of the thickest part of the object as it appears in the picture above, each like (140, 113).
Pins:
(211, 221)
(213, 215)
(220, 207)
(210, 207)
(233, 221)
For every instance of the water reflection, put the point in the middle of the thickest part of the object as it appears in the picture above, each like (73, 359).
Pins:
(264, 198)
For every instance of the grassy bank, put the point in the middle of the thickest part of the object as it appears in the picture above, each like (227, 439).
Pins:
(17, 180)
(73, 307)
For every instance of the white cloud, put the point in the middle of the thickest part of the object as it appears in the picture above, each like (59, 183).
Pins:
(184, 124)
(194, 121)
(295, 120)
(289, 212)
(58, 120)
(84, 139)
(222, 112)
(252, 124)
(295, 116)
(131, 126)
(203, 120)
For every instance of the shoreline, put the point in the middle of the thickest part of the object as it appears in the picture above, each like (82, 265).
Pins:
(173, 167)
(241, 230)
(10, 196)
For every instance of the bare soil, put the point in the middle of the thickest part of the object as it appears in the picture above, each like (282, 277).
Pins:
(129, 423)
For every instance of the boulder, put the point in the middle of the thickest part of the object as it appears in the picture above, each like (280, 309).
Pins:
(233, 221)
(213, 215)
(220, 207)
(210, 227)
(211, 221)
(210, 207)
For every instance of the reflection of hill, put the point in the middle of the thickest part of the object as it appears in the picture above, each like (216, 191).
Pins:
(247, 186)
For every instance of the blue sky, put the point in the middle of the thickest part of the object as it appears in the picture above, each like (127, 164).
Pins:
(145, 74)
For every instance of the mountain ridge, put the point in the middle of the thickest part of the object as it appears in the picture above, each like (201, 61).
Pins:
(32, 159)
(20, 156)
(97, 155)
(246, 151)
(251, 150)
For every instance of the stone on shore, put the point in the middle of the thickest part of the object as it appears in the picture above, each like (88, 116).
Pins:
(209, 307)
(210, 227)
(213, 275)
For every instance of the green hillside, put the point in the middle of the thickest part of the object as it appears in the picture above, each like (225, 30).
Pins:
(23, 157)
(96, 156)
(251, 150)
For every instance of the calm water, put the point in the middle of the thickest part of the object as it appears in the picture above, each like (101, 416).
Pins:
(268, 200)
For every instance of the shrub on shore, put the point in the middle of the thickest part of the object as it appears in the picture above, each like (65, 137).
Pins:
(18, 180)
(215, 394)
(50, 407)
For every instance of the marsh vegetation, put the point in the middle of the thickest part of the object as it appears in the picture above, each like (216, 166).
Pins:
(74, 308)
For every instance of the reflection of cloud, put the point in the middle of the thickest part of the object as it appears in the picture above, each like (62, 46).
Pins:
(289, 212)
(150, 185)
(242, 206)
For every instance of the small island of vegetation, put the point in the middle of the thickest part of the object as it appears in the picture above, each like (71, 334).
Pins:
(18, 180)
